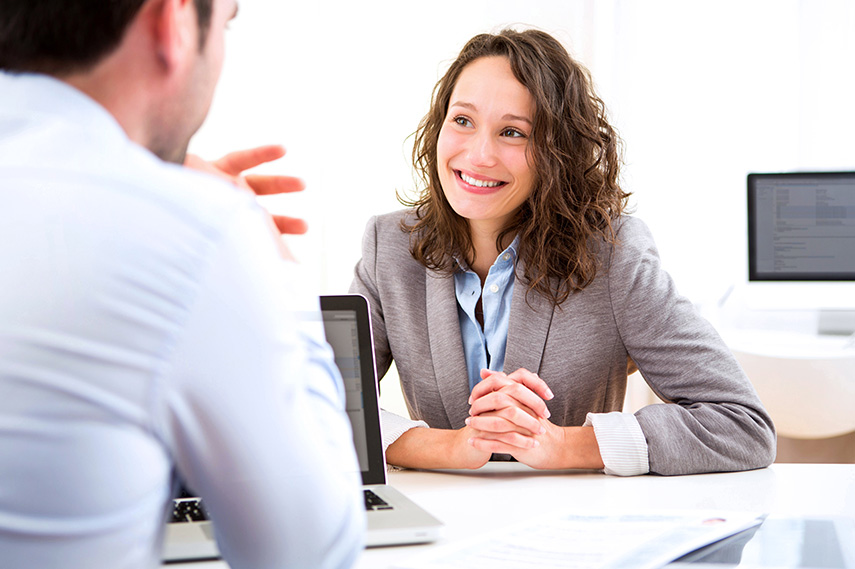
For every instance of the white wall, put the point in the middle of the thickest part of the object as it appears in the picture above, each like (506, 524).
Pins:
(706, 95)
(702, 92)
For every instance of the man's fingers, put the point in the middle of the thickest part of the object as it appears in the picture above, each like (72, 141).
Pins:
(239, 161)
(290, 225)
(264, 185)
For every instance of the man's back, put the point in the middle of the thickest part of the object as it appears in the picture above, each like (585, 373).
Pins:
(146, 323)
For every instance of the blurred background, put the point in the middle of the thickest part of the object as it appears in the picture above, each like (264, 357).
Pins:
(702, 93)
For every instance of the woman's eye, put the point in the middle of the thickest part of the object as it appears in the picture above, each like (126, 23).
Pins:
(462, 121)
(513, 133)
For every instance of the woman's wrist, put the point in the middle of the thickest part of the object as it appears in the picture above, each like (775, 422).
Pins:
(435, 448)
(579, 449)
(570, 447)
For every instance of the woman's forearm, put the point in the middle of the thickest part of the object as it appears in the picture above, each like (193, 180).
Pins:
(435, 448)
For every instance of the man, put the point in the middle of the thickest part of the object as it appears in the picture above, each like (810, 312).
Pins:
(148, 326)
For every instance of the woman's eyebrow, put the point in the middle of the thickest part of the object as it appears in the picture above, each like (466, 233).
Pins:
(517, 118)
(507, 117)
(464, 104)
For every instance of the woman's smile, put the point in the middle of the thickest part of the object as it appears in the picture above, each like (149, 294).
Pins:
(482, 149)
(478, 184)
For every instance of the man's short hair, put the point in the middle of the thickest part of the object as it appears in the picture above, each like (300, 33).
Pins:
(59, 37)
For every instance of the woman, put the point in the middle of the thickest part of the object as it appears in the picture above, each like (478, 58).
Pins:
(517, 258)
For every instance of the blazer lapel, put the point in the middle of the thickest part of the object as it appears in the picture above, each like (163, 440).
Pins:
(527, 329)
(446, 347)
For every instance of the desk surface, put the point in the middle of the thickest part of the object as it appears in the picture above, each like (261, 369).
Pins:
(471, 503)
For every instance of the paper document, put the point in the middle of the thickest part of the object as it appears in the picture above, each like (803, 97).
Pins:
(582, 541)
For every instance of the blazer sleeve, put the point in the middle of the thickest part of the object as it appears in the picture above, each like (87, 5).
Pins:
(714, 420)
(365, 282)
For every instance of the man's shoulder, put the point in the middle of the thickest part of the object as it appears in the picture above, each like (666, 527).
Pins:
(171, 192)
(55, 138)
(197, 194)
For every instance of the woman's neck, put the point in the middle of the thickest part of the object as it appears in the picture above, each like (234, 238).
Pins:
(484, 244)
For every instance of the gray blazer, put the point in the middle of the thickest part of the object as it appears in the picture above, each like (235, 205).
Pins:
(715, 421)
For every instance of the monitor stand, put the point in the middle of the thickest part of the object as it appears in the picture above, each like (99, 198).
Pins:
(836, 322)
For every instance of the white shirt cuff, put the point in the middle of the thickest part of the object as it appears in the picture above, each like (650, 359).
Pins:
(393, 426)
(621, 441)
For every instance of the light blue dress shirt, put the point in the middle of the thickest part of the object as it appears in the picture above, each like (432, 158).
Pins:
(485, 348)
(148, 326)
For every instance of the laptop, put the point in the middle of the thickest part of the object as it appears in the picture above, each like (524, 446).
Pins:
(392, 518)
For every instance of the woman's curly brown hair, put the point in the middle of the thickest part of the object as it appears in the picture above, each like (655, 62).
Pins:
(573, 151)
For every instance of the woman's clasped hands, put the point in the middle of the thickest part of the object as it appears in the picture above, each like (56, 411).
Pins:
(508, 415)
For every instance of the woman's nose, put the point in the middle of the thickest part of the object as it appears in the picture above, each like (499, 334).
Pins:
(482, 150)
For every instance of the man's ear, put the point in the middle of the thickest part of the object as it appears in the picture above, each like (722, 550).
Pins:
(174, 30)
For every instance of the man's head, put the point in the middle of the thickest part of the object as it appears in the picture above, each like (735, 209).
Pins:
(63, 37)
(153, 64)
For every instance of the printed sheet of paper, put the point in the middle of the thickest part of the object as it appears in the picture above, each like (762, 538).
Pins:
(588, 541)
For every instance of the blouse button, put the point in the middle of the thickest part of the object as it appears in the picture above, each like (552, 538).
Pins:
(494, 288)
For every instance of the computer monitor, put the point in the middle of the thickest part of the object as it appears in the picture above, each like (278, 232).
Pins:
(801, 226)
(801, 236)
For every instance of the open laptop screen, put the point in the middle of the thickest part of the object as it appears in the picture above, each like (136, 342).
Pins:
(348, 330)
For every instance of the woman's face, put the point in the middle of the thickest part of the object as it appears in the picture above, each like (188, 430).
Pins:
(481, 150)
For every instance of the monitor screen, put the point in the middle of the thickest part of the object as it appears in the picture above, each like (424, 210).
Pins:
(801, 226)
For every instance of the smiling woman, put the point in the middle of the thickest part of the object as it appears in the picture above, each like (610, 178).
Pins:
(515, 295)
(482, 150)
(518, 102)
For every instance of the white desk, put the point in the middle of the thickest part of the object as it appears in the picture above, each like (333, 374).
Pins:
(473, 502)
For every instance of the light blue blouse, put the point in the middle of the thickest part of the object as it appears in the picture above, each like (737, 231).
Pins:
(485, 349)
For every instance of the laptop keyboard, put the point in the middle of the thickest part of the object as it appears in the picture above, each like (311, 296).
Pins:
(188, 510)
(192, 509)
(375, 502)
